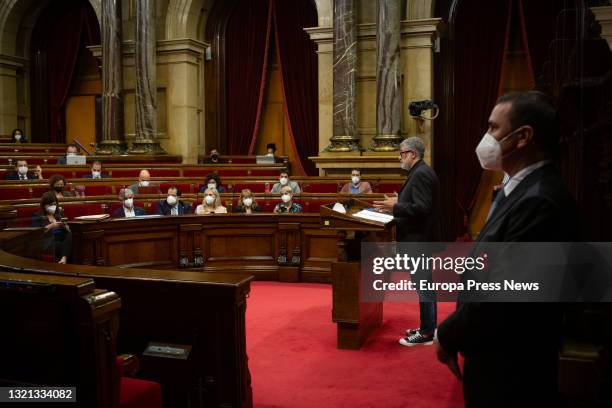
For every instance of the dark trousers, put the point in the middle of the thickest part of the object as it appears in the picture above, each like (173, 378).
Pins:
(428, 308)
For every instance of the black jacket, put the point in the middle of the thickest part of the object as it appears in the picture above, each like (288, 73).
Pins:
(164, 208)
(418, 206)
(120, 213)
(511, 349)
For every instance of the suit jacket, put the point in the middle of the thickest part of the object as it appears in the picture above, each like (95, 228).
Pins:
(61, 160)
(295, 187)
(164, 208)
(88, 175)
(119, 213)
(417, 210)
(540, 208)
(15, 176)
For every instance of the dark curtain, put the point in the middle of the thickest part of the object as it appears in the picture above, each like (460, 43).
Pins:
(57, 39)
(299, 74)
(480, 46)
(247, 40)
(541, 24)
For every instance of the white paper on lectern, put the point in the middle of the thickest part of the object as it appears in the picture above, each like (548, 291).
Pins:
(374, 216)
(340, 208)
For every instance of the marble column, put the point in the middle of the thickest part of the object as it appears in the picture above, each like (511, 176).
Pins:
(388, 77)
(113, 141)
(345, 138)
(146, 141)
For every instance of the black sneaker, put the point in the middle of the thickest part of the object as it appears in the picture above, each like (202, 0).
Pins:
(416, 340)
(410, 332)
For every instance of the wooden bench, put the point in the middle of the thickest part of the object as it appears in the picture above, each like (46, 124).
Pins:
(203, 311)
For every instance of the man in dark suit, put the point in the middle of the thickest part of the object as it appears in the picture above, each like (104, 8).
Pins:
(127, 210)
(71, 150)
(511, 349)
(22, 173)
(96, 171)
(172, 205)
(416, 213)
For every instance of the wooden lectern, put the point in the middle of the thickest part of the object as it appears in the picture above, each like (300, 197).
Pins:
(356, 319)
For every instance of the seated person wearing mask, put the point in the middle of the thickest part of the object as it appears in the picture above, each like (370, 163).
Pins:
(212, 181)
(284, 181)
(96, 171)
(18, 137)
(127, 210)
(356, 186)
(172, 205)
(21, 172)
(71, 150)
(144, 180)
(57, 237)
(211, 204)
(271, 147)
(246, 203)
(287, 205)
(57, 184)
(213, 158)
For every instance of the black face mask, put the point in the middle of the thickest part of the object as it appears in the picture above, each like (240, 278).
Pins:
(214, 156)
(58, 189)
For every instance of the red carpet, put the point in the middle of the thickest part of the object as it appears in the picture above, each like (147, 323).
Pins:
(294, 363)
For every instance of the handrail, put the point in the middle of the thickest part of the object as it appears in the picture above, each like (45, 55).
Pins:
(80, 145)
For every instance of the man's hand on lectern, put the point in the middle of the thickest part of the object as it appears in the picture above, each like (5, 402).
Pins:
(387, 204)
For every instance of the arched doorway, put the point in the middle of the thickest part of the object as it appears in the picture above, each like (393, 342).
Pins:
(61, 67)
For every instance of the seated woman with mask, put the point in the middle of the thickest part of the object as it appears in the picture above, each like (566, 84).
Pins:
(57, 237)
(57, 183)
(287, 205)
(211, 203)
(18, 137)
(212, 181)
(246, 203)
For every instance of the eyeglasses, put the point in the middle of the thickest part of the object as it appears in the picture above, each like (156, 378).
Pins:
(404, 151)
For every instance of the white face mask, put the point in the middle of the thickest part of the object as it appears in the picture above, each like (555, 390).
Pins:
(209, 199)
(284, 180)
(144, 183)
(355, 179)
(171, 200)
(51, 209)
(23, 170)
(17, 137)
(489, 152)
(286, 198)
(95, 174)
(247, 202)
(71, 154)
(128, 202)
(212, 185)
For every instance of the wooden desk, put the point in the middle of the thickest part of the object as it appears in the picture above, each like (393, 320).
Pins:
(204, 311)
(285, 247)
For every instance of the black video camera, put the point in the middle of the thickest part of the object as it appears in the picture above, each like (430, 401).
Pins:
(417, 108)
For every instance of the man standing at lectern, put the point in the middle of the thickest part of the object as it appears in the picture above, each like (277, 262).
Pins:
(416, 212)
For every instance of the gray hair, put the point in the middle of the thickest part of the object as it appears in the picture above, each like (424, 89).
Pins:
(415, 143)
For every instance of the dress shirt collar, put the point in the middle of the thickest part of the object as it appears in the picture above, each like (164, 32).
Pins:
(520, 176)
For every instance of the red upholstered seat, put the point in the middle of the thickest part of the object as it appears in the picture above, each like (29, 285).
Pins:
(125, 173)
(165, 172)
(196, 172)
(24, 215)
(136, 393)
(387, 188)
(79, 209)
(315, 187)
(254, 187)
(96, 190)
(37, 192)
(66, 172)
(185, 188)
(314, 206)
(15, 192)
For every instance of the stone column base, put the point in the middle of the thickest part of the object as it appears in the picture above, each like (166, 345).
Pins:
(146, 146)
(343, 144)
(108, 147)
(386, 143)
